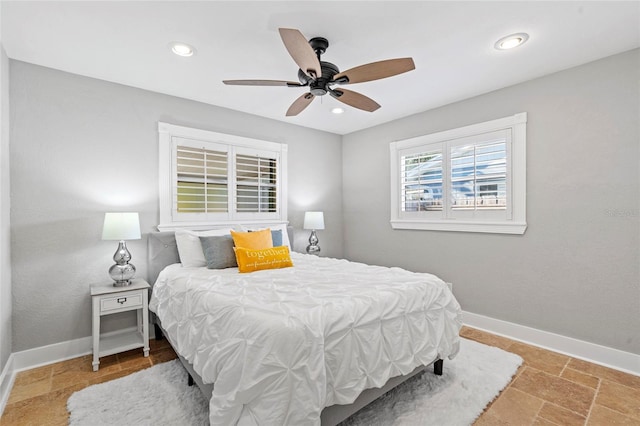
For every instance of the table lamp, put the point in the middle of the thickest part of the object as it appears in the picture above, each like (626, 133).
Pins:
(313, 221)
(121, 227)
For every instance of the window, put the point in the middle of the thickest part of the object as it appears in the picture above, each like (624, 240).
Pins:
(209, 178)
(256, 183)
(468, 179)
(201, 179)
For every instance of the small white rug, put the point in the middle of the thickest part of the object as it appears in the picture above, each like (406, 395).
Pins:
(159, 395)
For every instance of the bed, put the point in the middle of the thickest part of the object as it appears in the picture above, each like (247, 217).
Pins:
(310, 344)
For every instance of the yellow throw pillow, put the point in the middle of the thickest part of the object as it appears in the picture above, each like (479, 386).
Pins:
(255, 260)
(253, 240)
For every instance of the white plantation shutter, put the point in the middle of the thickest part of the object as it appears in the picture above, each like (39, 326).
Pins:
(479, 174)
(256, 184)
(421, 181)
(201, 180)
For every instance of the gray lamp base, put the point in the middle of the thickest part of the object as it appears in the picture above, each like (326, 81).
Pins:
(313, 247)
(122, 274)
(122, 271)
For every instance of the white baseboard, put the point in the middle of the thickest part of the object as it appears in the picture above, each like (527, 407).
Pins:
(591, 352)
(7, 378)
(44, 355)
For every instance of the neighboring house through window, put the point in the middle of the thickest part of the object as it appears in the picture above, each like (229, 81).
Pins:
(467, 179)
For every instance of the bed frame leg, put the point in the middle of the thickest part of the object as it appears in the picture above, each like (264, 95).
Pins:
(190, 381)
(158, 330)
(437, 367)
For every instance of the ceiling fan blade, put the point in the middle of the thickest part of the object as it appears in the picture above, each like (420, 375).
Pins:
(355, 99)
(301, 51)
(262, 83)
(375, 71)
(300, 104)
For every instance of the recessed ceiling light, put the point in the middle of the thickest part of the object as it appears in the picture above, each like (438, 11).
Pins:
(337, 110)
(182, 49)
(511, 41)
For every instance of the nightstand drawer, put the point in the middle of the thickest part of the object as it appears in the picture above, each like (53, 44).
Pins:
(123, 301)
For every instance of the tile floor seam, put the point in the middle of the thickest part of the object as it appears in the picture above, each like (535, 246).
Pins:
(577, 383)
(550, 421)
(615, 383)
(583, 373)
(564, 367)
(537, 416)
(51, 381)
(593, 403)
(570, 410)
(614, 409)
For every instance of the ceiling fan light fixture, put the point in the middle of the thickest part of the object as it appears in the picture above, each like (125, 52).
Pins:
(182, 49)
(511, 41)
(337, 110)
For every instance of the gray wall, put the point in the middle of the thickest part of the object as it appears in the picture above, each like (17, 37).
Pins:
(575, 270)
(80, 147)
(5, 190)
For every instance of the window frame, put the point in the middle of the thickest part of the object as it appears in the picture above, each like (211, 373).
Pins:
(168, 134)
(514, 221)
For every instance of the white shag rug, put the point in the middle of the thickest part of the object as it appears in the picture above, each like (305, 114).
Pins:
(159, 395)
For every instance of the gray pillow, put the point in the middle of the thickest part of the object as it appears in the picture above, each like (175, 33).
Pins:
(218, 252)
(276, 237)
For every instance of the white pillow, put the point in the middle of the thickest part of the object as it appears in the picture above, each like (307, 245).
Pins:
(282, 227)
(190, 248)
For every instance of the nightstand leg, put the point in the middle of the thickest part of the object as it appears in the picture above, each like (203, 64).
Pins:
(96, 334)
(145, 322)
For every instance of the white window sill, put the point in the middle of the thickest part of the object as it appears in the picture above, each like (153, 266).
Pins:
(237, 224)
(461, 226)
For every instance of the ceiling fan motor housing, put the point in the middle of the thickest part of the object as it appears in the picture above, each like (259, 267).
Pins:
(320, 86)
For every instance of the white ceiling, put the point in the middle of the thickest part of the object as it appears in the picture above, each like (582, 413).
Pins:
(450, 42)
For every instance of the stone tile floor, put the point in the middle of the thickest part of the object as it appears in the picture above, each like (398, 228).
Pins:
(555, 389)
(548, 389)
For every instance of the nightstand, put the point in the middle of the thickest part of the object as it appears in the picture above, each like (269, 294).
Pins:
(106, 300)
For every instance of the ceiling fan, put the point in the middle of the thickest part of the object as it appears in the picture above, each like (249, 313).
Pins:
(321, 76)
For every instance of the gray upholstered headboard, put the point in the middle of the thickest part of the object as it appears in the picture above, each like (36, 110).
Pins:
(162, 251)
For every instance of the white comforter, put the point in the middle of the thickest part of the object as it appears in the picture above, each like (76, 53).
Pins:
(280, 345)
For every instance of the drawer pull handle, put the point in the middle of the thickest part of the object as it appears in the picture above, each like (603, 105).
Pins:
(122, 300)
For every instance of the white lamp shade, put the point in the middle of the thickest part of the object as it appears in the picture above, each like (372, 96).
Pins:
(121, 226)
(314, 220)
